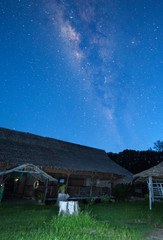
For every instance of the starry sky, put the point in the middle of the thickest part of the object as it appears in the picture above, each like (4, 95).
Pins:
(83, 71)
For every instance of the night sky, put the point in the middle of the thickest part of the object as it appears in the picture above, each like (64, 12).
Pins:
(83, 71)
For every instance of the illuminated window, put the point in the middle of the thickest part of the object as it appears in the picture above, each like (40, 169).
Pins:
(61, 180)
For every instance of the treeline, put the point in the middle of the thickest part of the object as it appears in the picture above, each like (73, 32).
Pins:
(137, 161)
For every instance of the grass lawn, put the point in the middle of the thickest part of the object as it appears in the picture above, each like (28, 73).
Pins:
(96, 222)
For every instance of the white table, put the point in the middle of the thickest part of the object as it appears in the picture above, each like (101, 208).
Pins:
(68, 207)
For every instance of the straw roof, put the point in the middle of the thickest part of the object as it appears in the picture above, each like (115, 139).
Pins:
(155, 172)
(18, 148)
(33, 170)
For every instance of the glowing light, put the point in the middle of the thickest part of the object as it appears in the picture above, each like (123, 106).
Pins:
(16, 179)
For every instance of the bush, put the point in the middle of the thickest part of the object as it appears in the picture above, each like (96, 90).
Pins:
(146, 197)
(122, 192)
(105, 198)
(40, 196)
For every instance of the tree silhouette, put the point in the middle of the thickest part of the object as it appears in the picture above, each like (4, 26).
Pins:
(137, 161)
(158, 146)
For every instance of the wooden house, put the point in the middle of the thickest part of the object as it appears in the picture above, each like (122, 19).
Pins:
(87, 172)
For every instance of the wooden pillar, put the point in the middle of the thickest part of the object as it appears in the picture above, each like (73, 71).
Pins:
(91, 186)
(25, 184)
(46, 190)
(150, 187)
(21, 185)
(68, 175)
(111, 184)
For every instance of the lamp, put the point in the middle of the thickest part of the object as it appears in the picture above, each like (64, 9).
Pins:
(16, 179)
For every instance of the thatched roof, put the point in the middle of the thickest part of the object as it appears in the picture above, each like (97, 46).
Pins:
(155, 172)
(18, 148)
(32, 170)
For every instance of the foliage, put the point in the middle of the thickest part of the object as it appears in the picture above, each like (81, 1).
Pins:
(137, 161)
(158, 146)
(122, 192)
(112, 200)
(105, 198)
(91, 201)
(40, 196)
(78, 227)
(146, 197)
(62, 188)
(98, 221)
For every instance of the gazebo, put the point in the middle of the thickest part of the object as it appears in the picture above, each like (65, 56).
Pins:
(154, 178)
(32, 170)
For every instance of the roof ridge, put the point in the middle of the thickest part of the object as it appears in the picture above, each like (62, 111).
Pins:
(49, 138)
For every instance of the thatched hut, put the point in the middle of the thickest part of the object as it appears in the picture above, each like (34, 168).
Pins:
(85, 171)
(155, 172)
(154, 178)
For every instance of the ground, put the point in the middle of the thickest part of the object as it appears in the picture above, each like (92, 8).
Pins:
(156, 235)
(123, 221)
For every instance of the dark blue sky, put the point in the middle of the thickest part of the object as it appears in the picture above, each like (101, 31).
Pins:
(88, 72)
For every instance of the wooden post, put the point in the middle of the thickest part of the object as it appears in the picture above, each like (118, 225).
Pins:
(21, 186)
(68, 175)
(150, 192)
(25, 184)
(91, 186)
(111, 184)
(46, 190)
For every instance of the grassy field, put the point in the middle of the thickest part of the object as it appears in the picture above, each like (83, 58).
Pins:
(99, 221)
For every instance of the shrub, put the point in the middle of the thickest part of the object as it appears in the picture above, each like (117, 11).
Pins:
(40, 196)
(146, 197)
(122, 192)
(105, 198)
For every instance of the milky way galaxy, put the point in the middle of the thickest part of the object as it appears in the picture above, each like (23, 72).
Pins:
(88, 72)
